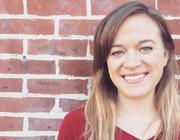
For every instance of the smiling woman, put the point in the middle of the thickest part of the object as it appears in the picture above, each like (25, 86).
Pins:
(137, 58)
(135, 94)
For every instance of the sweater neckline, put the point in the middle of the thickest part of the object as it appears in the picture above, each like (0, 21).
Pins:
(131, 135)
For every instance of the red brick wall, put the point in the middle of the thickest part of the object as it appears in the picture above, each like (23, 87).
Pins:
(46, 59)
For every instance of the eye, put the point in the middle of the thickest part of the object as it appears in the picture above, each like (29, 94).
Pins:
(117, 53)
(146, 49)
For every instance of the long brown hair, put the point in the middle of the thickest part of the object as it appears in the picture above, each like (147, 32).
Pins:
(101, 108)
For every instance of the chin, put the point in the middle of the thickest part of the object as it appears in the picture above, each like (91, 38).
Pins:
(135, 94)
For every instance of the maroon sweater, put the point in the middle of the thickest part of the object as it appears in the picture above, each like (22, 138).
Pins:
(73, 126)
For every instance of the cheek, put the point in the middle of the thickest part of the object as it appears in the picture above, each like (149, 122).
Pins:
(114, 65)
(156, 66)
(154, 60)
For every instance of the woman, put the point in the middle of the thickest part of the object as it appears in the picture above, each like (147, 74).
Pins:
(134, 93)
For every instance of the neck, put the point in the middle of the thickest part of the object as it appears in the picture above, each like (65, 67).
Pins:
(138, 116)
(137, 108)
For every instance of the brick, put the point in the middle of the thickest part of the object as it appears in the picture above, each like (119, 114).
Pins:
(77, 27)
(91, 47)
(57, 86)
(169, 7)
(29, 66)
(26, 104)
(103, 7)
(68, 105)
(11, 46)
(174, 26)
(10, 85)
(28, 138)
(11, 66)
(11, 124)
(11, 6)
(57, 47)
(177, 46)
(76, 67)
(39, 67)
(25, 26)
(56, 7)
(36, 124)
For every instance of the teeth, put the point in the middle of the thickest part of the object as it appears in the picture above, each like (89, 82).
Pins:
(136, 77)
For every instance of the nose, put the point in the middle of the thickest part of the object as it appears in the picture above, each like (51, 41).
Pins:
(132, 59)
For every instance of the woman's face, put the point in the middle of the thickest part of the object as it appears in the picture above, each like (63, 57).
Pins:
(137, 58)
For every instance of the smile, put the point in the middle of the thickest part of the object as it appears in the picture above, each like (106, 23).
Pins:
(134, 78)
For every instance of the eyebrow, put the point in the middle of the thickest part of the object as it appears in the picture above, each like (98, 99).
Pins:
(140, 42)
(146, 40)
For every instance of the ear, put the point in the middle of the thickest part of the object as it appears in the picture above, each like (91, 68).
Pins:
(166, 57)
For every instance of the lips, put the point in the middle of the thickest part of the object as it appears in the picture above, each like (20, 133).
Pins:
(134, 77)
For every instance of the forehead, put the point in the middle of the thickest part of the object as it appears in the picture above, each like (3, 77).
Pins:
(136, 28)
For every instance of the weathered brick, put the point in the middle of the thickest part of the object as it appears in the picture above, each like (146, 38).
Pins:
(77, 27)
(11, 124)
(174, 26)
(28, 138)
(11, 46)
(76, 67)
(54, 86)
(177, 46)
(25, 26)
(39, 67)
(28, 66)
(169, 7)
(56, 7)
(68, 105)
(91, 47)
(26, 104)
(57, 47)
(36, 124)
(10, 85)
(11, 66)
(11, 6)
(103, 7)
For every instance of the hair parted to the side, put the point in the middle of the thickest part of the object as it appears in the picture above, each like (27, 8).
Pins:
(101, 108)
